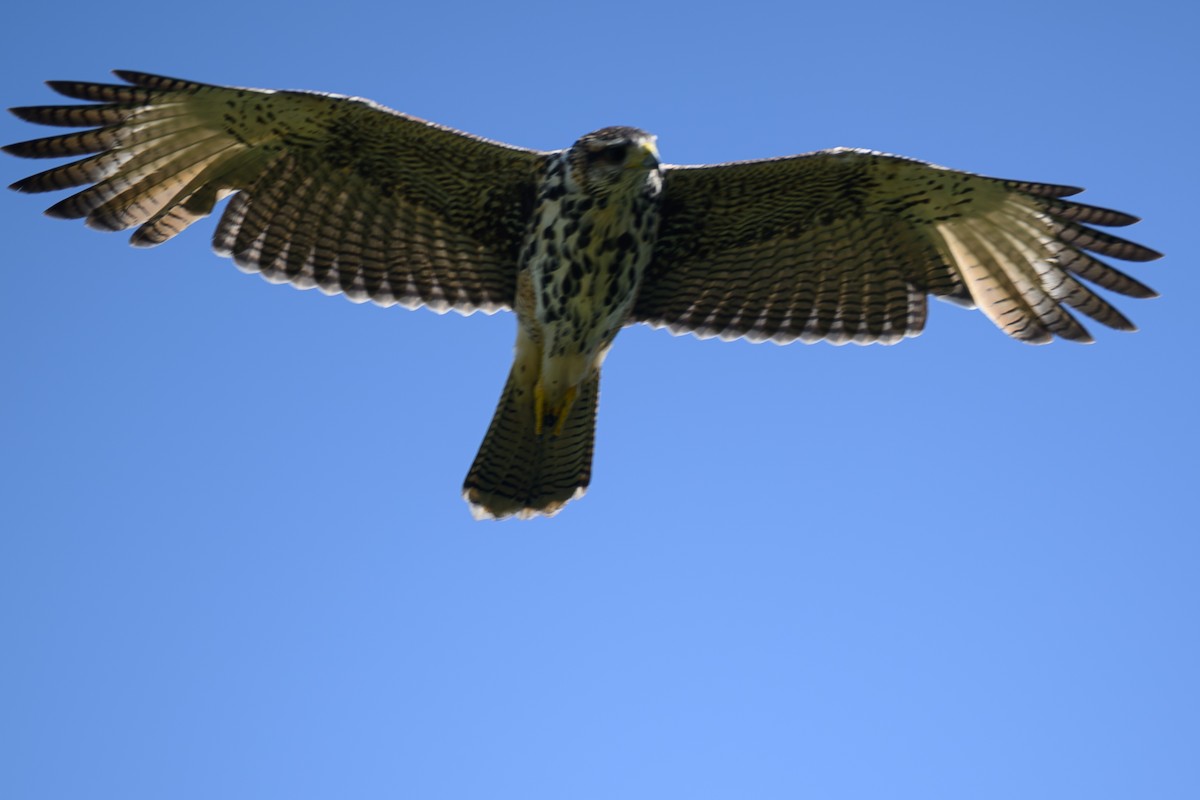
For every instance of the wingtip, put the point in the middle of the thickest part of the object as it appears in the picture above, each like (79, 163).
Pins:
(64, 209)
(1138, 253)
(1119, 219)
(143, 239)
(128, 75)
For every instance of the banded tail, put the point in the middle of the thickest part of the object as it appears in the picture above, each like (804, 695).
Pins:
(520, 472)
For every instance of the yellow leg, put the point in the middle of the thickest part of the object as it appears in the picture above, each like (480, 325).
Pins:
(561, 413)
(539, 406)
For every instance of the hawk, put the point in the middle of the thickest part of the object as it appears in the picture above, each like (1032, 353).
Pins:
(352, 198)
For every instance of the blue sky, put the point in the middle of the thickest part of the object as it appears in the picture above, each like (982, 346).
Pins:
(235, 562)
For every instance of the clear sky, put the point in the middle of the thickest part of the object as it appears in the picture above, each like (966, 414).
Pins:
(235, 563)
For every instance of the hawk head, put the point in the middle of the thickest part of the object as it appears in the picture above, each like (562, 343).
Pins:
(615, 159)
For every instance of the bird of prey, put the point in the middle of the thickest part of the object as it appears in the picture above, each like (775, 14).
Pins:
(352, 198)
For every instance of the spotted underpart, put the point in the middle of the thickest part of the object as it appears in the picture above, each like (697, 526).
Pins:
(582, 261)
(586, 251)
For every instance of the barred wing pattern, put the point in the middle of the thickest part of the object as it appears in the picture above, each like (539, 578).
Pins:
(844, 245)
(331, 192)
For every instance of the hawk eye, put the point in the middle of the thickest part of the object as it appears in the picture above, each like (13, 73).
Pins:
(615, 153)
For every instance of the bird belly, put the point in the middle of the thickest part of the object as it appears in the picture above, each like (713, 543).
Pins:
(583, 296)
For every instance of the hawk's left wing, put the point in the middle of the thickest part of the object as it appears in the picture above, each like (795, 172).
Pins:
(333, 192)
(844, 245)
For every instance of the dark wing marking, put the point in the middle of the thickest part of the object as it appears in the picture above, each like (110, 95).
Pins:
(844, 245)
(333, 192)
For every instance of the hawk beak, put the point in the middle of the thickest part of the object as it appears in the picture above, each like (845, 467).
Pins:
(649, 155)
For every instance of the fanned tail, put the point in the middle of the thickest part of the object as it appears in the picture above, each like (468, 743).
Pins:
(519, 472)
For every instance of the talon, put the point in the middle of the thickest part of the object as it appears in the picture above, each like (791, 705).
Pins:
(561, 413)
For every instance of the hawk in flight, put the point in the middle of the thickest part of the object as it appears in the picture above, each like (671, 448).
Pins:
(347, 196)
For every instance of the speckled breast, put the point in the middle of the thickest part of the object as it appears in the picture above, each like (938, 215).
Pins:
(586, 256)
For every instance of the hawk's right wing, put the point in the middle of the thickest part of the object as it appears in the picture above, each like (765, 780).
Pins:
(844, 245)
(333, 192)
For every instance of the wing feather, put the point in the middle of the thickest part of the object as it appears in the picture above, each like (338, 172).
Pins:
(330, 192)
(845, 245)
(71, 144)
(75, 116)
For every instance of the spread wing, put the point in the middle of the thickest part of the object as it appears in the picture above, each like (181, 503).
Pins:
(333, 192)
(844, 245)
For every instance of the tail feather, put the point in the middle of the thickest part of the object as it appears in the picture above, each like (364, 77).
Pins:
(519, 472)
